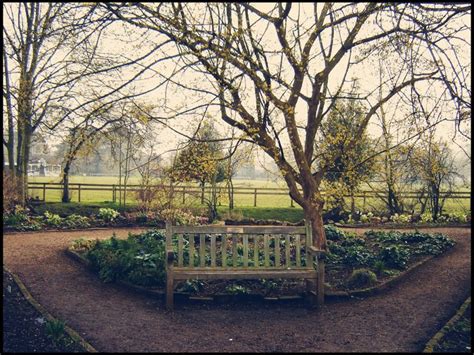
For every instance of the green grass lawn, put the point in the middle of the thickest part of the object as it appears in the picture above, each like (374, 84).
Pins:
(243, 199)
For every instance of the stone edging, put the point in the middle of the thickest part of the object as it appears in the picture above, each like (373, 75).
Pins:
(71, 332)
(381, 287)
(331, 294)
(436, 339)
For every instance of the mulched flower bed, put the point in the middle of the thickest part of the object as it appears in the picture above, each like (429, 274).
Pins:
(395, 252)
(24, 328)
(458, 338)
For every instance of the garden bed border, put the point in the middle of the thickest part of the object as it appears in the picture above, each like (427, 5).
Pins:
(226, 297)
(71, 332)
(436, 339)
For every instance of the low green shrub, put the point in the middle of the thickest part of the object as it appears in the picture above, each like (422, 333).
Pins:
(108, 214)
(395, 256)
(333, 233)
(139, 259)
(237, 290)
(379, 267)
(191, 286)
(361, 278)
(76, 221)
(55, 330)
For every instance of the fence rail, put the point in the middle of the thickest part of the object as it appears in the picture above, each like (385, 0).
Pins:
(186, 190)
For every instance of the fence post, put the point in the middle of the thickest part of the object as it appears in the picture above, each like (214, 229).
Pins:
(363, 206)
(113, 193)
(44, 192)
(255, 198)
(292, 203)
(202, 195)
(78, 192)
(184, 195)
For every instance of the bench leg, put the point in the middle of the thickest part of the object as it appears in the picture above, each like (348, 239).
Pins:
(169, 292)
(320, 282)
(310, 292)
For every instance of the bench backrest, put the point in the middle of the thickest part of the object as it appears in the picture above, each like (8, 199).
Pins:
(240, 247)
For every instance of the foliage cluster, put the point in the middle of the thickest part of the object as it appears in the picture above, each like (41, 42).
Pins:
(362, 278)
(55, 330)
(139, 259)
(380, 250)
(108, 214)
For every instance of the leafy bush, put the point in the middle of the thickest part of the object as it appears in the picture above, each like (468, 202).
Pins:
(395, 256)
(19, 219)
(55, 330)
(76, 221)
(52, 219)
(237, 290)
(191, 286)
(182, 217)
(357, 255)
(426, 218)
(333, 233)
(362, 278)
(139, 259)
(108, 214)
(403, 218)
(433, 245)
(379, 267)
(82, 244)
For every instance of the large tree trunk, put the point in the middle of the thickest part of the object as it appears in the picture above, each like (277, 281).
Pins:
(66, 196)
(230, 191)
(313, 212)
(435, 205)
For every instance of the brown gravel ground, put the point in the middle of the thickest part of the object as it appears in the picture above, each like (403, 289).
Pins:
(114, 319)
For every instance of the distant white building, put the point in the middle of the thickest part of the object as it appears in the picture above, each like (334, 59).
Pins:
(41, 168)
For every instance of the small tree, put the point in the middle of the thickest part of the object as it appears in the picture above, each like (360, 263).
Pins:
(345, 166)
(201, 160)
(432, 164)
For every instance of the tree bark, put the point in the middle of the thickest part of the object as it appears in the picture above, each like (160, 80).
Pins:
(66, 198)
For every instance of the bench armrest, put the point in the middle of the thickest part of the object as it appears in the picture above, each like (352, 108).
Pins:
(317, 252)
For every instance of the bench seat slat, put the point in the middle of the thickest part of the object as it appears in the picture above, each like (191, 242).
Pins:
(202, 249)
(287, 251)
(191, 250)
(266, 251)
(213, 250)
(180, 250)
(298, 250)
(246, 250)
(224, 249)
(234, 250)
(256, 261)
(277, 250)
(248, 273)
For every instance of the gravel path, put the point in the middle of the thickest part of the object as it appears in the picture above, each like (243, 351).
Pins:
(114, 319)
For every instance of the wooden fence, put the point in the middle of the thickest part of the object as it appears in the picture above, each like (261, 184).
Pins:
(183, 191)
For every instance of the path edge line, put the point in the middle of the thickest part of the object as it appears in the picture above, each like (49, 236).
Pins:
(71, 332)
(429, 347)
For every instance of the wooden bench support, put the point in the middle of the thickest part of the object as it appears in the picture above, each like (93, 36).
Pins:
(259, 266)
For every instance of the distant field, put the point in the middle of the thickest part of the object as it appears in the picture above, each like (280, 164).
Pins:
(265, 199)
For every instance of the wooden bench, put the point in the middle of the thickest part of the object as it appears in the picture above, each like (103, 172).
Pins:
(243, 252)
